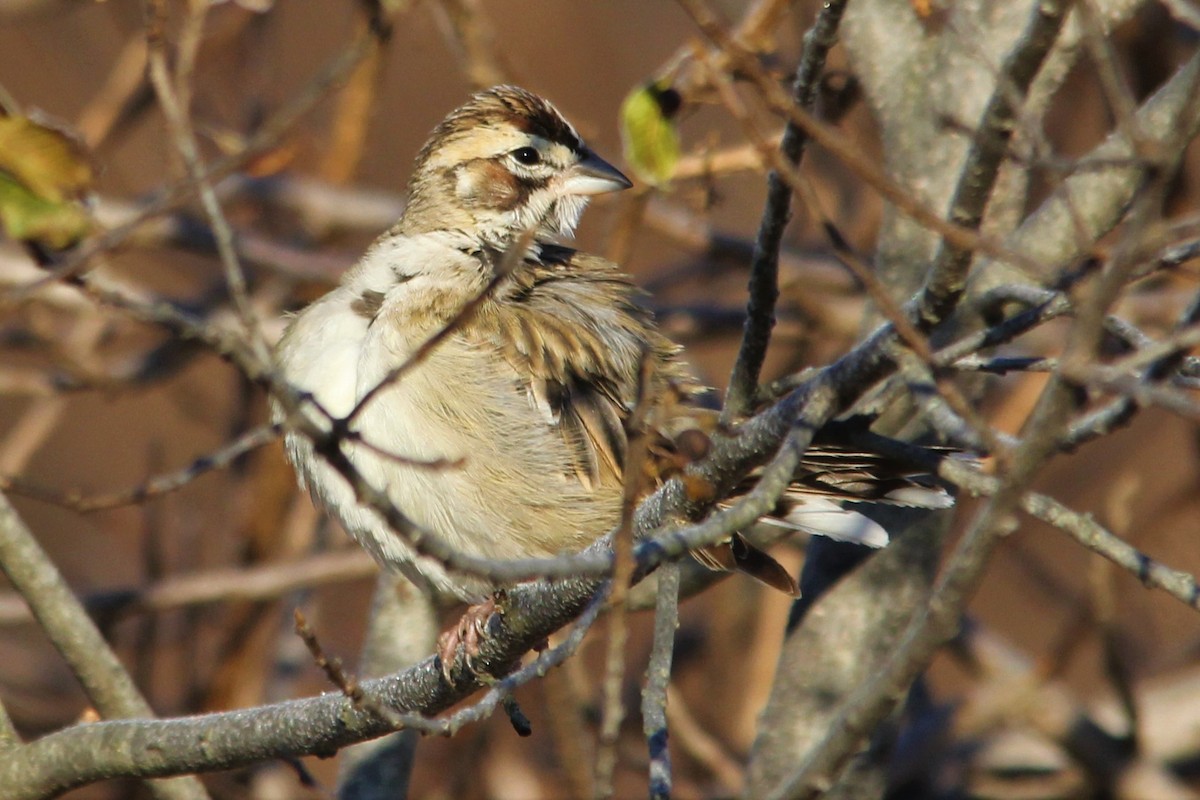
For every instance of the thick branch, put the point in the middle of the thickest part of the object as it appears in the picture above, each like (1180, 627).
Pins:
(1090, 202)
(948, 279)
(60, 615)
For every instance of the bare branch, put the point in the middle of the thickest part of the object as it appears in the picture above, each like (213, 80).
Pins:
(764, 264)
(185, 141)
(658, 678)
(634, 473)
(948, 277)
(101, 674)
(266, 137)
(471, 32)
(229, 584)
(928, 71)
(402, 630)
(867, 706)
(76, 499)
(1094, 199)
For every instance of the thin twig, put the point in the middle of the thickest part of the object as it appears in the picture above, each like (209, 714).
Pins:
(1082, 527)
(708, 164)
(124, 82)
(868, 706)
(177, 116)
(764, 265)
(346, 683)
(836, 143)
(222, 585)
(1115, 89)
(77, 500)
(266, 137)
(514, 254)
(702, 746)
(658, 677)
(191, 33)
(907, 331)
(402, 629)
(30, 431)
(634, 474)
(473, 36)
(356, 104)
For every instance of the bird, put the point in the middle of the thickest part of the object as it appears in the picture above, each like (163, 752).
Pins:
(489, 370)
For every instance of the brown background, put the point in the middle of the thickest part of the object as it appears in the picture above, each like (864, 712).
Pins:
(584, 56)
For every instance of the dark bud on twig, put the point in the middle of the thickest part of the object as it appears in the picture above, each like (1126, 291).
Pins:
(693, 444)
(516, 716)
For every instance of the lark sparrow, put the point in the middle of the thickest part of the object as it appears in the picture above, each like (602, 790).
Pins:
(529, 395)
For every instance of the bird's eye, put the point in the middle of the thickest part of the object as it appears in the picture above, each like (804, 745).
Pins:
(528, 156)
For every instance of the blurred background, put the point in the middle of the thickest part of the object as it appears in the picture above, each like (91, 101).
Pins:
(139, 405)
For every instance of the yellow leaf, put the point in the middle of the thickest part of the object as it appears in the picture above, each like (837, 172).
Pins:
(31, 218)
(650, 138)
(48, 162)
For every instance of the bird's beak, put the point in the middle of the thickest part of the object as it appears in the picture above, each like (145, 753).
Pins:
(594, 175)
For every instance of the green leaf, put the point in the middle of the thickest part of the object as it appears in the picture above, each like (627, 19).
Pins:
(57, 224)
(650, 137)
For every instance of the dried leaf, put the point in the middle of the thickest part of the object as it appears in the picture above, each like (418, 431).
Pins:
(48, 162)
(650, 137)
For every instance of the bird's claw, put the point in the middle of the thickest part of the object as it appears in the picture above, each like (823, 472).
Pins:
(467, 632)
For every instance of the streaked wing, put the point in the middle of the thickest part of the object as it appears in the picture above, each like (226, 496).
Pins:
(569, 326)
(855, 476)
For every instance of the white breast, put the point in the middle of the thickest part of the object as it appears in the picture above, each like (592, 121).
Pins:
(510, 498)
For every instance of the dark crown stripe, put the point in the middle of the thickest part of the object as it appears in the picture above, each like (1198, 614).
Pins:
(521, 109)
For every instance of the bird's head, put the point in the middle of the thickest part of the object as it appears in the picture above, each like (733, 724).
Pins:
(503, 163)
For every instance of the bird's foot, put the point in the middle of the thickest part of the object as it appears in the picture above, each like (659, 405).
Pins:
(467, 632)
